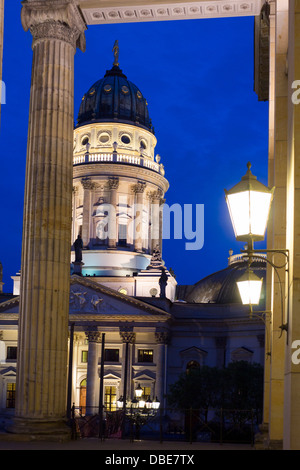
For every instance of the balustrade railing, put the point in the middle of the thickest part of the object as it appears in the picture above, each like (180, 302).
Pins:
(118, 158)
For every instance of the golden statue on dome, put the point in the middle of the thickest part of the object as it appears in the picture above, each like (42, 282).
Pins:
(116, 53)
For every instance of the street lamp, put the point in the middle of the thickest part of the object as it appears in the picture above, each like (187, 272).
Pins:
(249, 286)
(249, 204)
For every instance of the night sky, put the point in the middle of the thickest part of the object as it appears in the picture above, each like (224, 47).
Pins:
(197, 76)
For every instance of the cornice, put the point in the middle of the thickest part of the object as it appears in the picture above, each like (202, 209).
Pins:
(171, 11)
(122, 170)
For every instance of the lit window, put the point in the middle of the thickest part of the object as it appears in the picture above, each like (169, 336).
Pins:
(145, 355)
(10, 395)
(84, 356)
(110, 400)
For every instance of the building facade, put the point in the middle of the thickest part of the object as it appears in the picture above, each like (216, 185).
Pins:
(126, 310)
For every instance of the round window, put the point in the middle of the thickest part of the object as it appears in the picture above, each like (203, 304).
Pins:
(104, 138)
(143, 144)
(85, 140)
(107, 88)
(125, 139)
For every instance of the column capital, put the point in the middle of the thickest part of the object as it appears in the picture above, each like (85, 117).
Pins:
(113, 182)
(54, 19)
(87, 183)
(138, 187)
(127, 335)
(155, 195)
(93, 336)
(162, 336)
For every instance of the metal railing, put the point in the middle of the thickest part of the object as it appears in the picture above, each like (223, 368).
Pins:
(169, 424)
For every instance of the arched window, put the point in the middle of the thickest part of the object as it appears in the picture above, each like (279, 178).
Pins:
(192, 365)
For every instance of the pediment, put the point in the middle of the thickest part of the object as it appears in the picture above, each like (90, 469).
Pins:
(111, 375)
(8, 372)
(144, 375)
(89, 297)
(192, 353)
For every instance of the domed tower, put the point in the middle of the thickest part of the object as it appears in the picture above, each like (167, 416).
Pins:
(118, 185)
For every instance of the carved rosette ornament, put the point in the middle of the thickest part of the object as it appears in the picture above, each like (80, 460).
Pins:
(54, 19)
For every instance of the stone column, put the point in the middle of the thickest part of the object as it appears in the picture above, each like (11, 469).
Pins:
(162, 338)
(113, 184)
(128, 338)
(291, 435)
(92, 378)
(86, 214)
(138, 190)
(156, 197)
(277, 161)
(57, 28)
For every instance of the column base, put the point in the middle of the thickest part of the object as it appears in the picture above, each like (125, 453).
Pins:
(263, 442)
(38, 430)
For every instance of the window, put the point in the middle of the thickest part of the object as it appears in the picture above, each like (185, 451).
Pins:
(11, 353)
(146, 392)
(110, 399)
(125, 139)
(10, 395)
(84, 356)
(111, 355)
(122, 234)
(192, 365)
(145, 355)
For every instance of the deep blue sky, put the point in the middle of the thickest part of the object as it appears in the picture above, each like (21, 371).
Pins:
(197, 76)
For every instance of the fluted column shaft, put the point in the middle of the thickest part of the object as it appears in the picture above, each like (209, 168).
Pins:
(44, 301)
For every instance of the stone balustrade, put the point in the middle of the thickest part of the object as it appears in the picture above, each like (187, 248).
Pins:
(119, 158)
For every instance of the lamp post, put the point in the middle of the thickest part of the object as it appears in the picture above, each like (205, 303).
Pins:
(249, 204)
(138, 409)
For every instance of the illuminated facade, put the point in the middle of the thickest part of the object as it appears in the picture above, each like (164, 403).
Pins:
(58, 29)
(116, 288)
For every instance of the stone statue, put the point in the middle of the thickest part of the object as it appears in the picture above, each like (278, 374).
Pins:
(163, 281)
(78, 246)
(116, 52)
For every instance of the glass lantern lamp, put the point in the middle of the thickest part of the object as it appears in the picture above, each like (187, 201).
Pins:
(249, 204)
(138, 391)
(249, 286)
